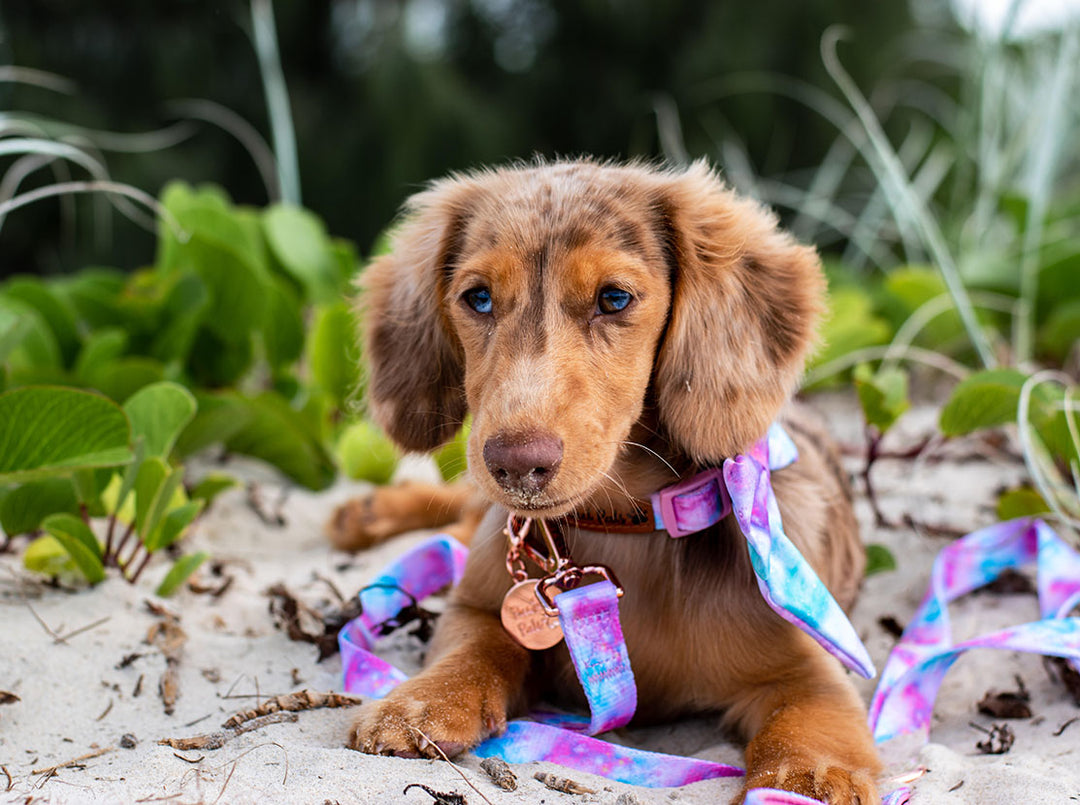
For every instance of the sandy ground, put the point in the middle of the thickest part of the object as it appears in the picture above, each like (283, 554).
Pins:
(78, 697)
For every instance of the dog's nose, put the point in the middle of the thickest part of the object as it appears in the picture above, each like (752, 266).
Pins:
(523, 462)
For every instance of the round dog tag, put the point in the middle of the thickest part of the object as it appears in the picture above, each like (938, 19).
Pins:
(524, 618)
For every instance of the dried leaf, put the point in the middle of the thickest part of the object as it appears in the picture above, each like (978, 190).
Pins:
(891, 625)
(1007, 704)
(1010, 582)
(999, 740)
(1061, 671)
(8, 698)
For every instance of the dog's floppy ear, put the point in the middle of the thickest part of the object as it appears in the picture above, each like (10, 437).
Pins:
(745, 303)
(415, 388)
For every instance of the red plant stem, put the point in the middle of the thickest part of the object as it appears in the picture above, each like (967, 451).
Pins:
(131, 556)
(124, 541)
(109, 537)
(140, 568)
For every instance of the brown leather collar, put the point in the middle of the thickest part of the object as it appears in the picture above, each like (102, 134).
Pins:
(594, 518)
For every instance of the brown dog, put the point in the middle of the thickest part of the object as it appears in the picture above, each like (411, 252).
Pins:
(610, 329)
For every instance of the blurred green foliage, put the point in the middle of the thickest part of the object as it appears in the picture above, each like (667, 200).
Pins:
(387, 94)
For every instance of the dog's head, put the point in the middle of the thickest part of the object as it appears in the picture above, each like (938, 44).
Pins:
(556, 302)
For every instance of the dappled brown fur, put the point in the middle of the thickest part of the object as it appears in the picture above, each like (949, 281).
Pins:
(706, 354)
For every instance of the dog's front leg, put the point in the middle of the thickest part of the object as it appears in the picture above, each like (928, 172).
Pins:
(809, 735)
(477, 677)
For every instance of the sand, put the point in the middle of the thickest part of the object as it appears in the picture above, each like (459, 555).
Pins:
(78, 697)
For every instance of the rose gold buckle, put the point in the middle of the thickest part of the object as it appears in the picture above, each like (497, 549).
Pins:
(567, 579)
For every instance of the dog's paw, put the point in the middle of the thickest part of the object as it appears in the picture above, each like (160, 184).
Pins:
(829, 783)
(364, 521)
(424, 714)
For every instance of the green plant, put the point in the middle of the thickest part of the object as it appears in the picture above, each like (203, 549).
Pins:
(975, 218)
(67, 456)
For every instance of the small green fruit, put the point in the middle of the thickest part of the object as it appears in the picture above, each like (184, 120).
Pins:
(451, 456)
(366, 454)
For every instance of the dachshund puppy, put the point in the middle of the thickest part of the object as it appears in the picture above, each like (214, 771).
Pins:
(611, 329)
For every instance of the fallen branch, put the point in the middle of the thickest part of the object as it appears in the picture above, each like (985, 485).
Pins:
(216, 740)
(273, 711)
(295, 702)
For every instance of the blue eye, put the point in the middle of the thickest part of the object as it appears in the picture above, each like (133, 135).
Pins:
(479, 299)
(612, 300)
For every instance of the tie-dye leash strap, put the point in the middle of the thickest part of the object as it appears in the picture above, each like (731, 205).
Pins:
(786, 581)
(437, 563)
(904, 698)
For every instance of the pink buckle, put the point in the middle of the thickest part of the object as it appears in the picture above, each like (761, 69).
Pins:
(693, 505)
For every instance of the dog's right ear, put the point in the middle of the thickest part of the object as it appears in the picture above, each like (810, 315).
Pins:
(416, 374)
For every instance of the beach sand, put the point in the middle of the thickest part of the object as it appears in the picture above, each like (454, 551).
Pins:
(82, 695)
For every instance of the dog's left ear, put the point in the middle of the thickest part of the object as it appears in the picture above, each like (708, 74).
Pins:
(746, 299)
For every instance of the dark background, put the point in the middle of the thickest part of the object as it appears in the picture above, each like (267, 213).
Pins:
(379, 107)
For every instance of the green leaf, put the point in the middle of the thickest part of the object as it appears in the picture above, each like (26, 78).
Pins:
(219, 417)
(283, 333)
(333, 353)
(54, 309)
(47, 556)
(166, 496)
(50, 431)
(1061, 332)
(180, 572)
(158, 413)
(95, 294)
(280, 435)
(908, 288)
(211, 486)
(1020, 502)
(79, 541)
(883, 395)
(120, 379)
(850, 325)
(173, 525)
(983, 400)
(216, 363)
(183, 311)
(33, 347)
(102, 347)
(365, 453)
(238, 289)
(24, 507)
(298, 239)
(152, 474)
(879, 559)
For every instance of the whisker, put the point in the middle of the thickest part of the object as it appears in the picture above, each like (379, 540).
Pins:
(653, 452)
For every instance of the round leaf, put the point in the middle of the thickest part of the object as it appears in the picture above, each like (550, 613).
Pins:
(79, 541)
(158, 413)
(299, 241)
(50, 431)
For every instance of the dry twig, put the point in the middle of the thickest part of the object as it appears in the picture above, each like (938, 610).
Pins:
(300, 700)
(50, 770)
(563, 784)
(453, 765)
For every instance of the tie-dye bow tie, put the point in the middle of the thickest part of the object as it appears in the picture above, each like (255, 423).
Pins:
(786, 581)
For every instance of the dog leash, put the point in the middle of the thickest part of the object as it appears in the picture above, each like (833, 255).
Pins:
(905, 696)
